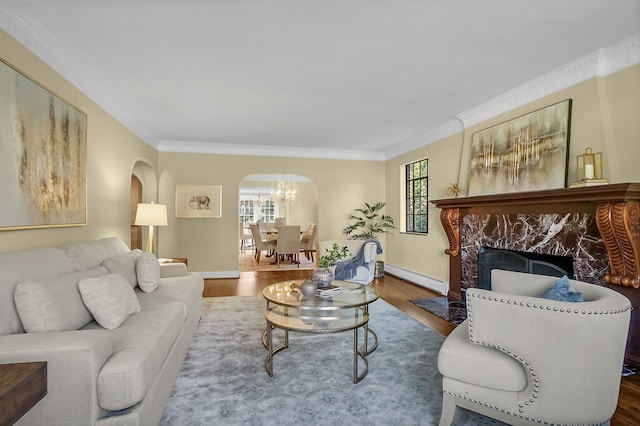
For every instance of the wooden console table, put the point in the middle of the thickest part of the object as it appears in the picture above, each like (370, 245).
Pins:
(21, 387)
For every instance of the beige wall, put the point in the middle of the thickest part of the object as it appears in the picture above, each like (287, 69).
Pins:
(112, 151)
(605, 116)
(212, 244)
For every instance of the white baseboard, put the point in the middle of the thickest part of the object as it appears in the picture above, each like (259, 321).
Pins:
(441, 287)
(219, 274)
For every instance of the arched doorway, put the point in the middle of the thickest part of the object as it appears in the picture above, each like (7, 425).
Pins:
(267, 197)
(136, 197)
(144, 188)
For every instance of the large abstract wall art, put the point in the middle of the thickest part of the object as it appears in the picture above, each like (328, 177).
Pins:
(528, 153)
(43, 146)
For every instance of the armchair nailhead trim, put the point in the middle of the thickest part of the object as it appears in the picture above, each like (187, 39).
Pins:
(519, 415)
(536, 381)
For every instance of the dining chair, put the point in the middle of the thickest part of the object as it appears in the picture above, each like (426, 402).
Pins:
(307, 239)
(245, 235)
(259, 243)
(279, 221)
(288, 243)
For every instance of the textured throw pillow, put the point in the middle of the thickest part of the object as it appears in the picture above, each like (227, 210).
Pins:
(148, 272)
(561, 292)
(125, 265)
(54, 303)
(110, 299)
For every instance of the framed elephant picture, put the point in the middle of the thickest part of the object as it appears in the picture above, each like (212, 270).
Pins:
(198, 201)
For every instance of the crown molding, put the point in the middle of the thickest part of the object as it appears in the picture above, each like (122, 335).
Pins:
(16, 21)
(268, 151)
(596, 64)
(451, 127)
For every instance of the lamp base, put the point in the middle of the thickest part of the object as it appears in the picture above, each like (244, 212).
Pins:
(589, 182)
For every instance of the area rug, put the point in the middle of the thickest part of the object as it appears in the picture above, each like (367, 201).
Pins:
(223, 380)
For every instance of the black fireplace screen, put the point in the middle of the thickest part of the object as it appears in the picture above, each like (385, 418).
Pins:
(519, 261)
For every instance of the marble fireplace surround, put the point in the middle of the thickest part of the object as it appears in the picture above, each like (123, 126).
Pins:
(560, 234)
(598, 226)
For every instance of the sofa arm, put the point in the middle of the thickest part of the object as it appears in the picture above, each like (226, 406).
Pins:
(559, 344)
(174, 269)
(74, 359)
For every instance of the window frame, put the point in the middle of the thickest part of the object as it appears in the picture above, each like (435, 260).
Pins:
(416, 207)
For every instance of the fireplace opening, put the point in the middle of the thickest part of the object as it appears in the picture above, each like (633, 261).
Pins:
(520, 261)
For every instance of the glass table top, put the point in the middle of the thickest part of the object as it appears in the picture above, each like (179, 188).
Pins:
(287, 293)
(289, 309)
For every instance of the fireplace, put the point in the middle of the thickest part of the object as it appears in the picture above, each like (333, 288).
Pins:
(570, 239)
(597, 227)
(518, 261)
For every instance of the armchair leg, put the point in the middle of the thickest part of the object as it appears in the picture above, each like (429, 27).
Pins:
(448, 409)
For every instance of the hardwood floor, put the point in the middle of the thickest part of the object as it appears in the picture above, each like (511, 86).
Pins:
(398, 293)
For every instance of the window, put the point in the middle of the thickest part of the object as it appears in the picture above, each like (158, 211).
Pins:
(416, 197)
(250, 211)
(246, 211)
(268, 211)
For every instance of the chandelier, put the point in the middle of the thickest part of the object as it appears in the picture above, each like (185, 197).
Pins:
(286, 193)
(258, 201)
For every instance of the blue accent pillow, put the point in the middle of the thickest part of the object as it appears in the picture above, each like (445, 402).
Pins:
(560, 291)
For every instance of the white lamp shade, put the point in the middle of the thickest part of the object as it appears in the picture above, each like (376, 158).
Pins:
(151, 214)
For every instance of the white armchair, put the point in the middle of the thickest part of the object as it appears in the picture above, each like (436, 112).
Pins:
(522, 359)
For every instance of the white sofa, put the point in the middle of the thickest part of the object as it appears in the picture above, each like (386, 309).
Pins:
(366, 251)
(525, 360)
(96, 376)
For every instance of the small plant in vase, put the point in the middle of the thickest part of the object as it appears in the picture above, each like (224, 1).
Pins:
(323, 276)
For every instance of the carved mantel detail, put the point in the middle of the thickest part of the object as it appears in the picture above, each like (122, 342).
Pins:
(450, 219)
(619, 225)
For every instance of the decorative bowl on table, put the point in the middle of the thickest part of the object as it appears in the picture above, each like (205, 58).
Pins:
(323, 277)
(308, 288)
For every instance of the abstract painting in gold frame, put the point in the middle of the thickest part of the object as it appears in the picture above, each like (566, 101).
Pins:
(43, 146)
(528, 153)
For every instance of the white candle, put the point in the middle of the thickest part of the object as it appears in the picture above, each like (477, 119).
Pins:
(588, 171)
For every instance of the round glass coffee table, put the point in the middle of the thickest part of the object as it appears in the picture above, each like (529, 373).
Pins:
(287, 309)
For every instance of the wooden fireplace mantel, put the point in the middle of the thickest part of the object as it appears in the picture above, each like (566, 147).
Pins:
(616, 206)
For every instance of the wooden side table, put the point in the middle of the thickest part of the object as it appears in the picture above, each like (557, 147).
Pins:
(173, 260)
(21, 387)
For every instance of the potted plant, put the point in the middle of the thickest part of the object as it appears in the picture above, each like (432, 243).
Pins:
(368, 223)
(323, 276)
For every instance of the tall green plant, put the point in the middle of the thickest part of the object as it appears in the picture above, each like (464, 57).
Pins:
(369, 222)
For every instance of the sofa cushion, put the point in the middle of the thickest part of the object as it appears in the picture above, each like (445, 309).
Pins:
(182, 291)
(125, 265)
(479, 365)
(148, 272)
(23, 265)
(87, 255)
(141, 345)
(54, 304)
(109, 298)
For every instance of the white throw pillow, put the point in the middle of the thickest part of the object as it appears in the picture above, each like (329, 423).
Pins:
(54, 303)
(148, 272)
(125, 265)
(110, 299)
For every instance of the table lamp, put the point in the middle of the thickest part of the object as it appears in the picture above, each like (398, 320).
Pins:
(150, 214)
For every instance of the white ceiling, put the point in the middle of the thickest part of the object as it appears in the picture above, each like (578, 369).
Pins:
(333, 78)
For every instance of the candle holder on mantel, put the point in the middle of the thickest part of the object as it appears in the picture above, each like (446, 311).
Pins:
(589, 169)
